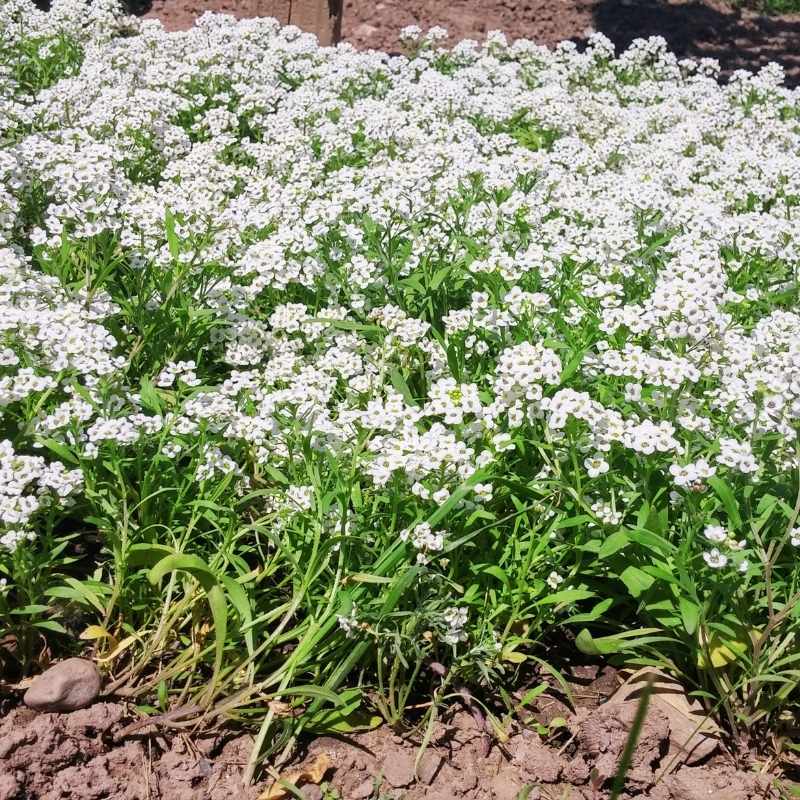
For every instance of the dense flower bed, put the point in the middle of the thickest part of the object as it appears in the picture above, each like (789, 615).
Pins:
(319, 364)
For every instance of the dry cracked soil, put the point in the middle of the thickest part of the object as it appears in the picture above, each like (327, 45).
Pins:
(88, 755)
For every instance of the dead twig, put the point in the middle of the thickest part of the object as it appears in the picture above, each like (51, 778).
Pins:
(159, 719)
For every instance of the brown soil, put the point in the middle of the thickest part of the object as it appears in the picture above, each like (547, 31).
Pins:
(692, 28)
(88, 755)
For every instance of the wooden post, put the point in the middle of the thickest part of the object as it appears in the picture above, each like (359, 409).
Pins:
(321, 17)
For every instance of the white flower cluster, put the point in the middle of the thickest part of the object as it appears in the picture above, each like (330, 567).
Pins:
(28, 483)
(424, 539)
(429, 267)
(455, 620)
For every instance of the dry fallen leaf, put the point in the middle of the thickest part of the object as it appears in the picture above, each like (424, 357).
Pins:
(279, 708)
(313, 774)
(693, 735)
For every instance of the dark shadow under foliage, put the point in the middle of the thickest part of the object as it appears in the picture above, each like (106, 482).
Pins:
(737, 39)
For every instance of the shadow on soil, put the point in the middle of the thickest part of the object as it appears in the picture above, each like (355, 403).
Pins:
(737, 38)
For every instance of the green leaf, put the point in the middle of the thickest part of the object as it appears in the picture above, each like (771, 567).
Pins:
(144, 554)
(35, 608)
(532, 694)
(591, 616)
(276, 474)
(690, 614)
(241, 602)
(346, 325)
(363, 577)
(50, 625)
(612, 544)
(172, 238)
(335, 720)
(186, 562)
(317, 692)
(729, 503)
(458, 495)
(572, 366)
(616, 643)
(399, 586)
(439, 276)
(61, 450)
(636, 580)
(219, 613)
(565, 596)
(652, 541)
(399, 383)
(496, 572)
(215, 595)
(149, 396)
(573, 522)
(78, 591)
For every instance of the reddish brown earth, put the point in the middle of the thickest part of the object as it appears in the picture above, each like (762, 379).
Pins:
(96, 754)
(692, 28)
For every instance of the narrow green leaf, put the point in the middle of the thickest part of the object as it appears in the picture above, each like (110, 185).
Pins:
(729, 503)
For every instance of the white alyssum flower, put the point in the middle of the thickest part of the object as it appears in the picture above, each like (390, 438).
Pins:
(455, 620)
(715, 533)
(596, 466)
(715, 559)
(554, 580)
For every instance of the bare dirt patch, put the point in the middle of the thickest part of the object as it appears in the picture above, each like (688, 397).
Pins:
(82, 755)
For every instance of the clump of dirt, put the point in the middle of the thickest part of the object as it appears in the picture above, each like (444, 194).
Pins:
(82, 755)
(75, 756)
(454, 766)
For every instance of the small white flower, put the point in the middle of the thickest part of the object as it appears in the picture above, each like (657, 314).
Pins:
(715, 559)
(715, 533)
(456, 621)
(596, 466)
(349, 624)
(554, 579)
(633, 392)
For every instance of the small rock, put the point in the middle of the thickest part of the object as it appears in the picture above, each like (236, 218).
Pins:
(398, 769)
(365, 29)
(67, 686)
(363, 790)
(311, 792)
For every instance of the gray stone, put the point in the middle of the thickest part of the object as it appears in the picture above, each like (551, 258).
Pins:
(67, 686)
